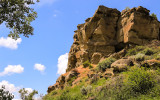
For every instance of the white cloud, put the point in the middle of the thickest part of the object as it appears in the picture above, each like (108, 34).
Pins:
(29, 90)
(62, 63)
(9, 42)
(12, 69)
(39, 67)
(9, 87)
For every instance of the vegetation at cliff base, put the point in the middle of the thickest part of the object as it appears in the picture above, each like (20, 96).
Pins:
(138, 82)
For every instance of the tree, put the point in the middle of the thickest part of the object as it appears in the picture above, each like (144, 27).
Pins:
(17, 16)
(154, 15)
(27, 96)
(127, 8)
(5, 95)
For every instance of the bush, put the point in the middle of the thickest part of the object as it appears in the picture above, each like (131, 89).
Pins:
(135, 50)
(140, 80)
(87, 64)
(86, 90)
(139, 57)
(83, 91)
(148, 51)
(158, 57)
(127, 8)
(154, 15)
(105, 64)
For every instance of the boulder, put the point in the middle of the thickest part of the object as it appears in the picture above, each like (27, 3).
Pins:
(121, 64)
(151, 63)
(96, 58)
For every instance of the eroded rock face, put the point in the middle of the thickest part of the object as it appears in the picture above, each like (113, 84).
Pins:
(135, 26)
(110, 30)
(106, 33)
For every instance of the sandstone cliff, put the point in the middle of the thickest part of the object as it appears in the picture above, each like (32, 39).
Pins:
(107, 32)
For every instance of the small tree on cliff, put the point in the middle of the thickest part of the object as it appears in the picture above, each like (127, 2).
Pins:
(154, 15)
(5, 95)
(17, 16)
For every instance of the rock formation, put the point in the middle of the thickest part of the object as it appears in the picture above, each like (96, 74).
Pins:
(106, 33)
(109, 31)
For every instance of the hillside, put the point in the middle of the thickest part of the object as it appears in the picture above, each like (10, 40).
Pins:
(115, 56)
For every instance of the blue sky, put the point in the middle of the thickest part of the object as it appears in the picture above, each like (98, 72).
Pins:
(33, 62)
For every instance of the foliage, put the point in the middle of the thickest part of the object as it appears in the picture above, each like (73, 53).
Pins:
(5, 95)
(87, 64)
(105, 64)
(86, 90)
(127, 8)
(157, 57)
(83, 91)
(135, 50)
(148, 51)
(154, 15)
(139, 57)
(18, 18)
(72, 80)
(25, 95)
(140, 80)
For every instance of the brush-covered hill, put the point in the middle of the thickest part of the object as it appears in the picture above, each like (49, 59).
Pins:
(115, 56)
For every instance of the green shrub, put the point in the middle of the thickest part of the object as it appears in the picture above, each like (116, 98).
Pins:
(139, 57)
(83, 91)
(135, 50)
(140, 80)
(127, 8)
(86, 90)
(87, 64)
(54, 92)
(158, 57)
(154, 15)
(148, 51)
(105, 64)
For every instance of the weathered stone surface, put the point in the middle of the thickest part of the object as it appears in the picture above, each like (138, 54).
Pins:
(97, 35)
(71, 74)
(51, 88)
(121, 64)
(110, 31)
(137, 27)
(96, 58)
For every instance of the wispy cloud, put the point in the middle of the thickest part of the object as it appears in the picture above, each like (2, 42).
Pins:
(62, 63)
(9, 42)
(39, 67)
(12, 69)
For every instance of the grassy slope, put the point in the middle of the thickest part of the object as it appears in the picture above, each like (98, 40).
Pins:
(137, 83)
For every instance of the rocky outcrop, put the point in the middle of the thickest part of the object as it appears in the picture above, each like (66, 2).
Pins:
(109, 31)
(108, 34)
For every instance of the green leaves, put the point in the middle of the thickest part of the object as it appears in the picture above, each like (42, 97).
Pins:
(5, 95)
(17, 15)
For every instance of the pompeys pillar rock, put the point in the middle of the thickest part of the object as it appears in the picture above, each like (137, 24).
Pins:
(107, 32)
(110, 30)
